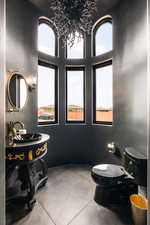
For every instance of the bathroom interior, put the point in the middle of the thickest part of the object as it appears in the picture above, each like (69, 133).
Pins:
(76, 112)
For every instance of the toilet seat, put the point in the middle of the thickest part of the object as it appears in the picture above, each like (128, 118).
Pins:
(108, 170)
(108, 174)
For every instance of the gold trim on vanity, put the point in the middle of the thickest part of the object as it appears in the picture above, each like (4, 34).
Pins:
(41, 150)
(11, 156)
(27, 155)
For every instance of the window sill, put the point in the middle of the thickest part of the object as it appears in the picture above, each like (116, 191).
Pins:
(47, 124)
(102, 125)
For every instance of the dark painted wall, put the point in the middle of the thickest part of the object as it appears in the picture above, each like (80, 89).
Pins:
(86, 143)
(130, 75)
(2, 111)
(148, 84)
(21, 54)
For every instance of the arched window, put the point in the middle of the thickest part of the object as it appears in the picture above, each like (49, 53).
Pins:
(103, 93)
(46, 39)
(47, 73)
(103, 37)
(103, 72)
(77, 50)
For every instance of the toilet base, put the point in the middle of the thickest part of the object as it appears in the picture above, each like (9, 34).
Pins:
(115, 195)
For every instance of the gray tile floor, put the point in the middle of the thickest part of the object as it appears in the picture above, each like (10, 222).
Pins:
(67, 199)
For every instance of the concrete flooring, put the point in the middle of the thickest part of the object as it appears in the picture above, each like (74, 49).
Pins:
(67, 199)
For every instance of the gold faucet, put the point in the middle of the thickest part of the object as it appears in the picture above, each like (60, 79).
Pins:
(12, 130)
(18, 122)
(15, 131)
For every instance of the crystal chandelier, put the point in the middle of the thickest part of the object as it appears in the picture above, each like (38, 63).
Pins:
(73, 18)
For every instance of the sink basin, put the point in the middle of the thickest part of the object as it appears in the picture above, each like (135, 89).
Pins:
(24, 138)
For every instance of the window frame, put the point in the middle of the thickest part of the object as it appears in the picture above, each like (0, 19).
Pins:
(105, 20)
(68, 68)
(47, 22)
(45, 64)
(97, 66)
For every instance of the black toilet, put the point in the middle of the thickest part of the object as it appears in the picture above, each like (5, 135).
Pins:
(114, 184)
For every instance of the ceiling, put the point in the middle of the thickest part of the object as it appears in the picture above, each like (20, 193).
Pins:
(44, 5)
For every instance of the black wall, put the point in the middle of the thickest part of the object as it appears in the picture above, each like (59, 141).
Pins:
(21, 54)
(2, 111)
(148, 84)
(130, 75)
(87, 143)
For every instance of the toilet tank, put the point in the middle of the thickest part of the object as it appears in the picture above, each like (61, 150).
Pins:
(136, 165)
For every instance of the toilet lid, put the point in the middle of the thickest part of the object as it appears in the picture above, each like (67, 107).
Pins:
(108, 170)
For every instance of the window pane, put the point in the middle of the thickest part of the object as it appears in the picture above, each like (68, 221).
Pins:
(103, 39)
(104, 94)
(46, 39)
(75, 95)
(76, 51)
(46, 94)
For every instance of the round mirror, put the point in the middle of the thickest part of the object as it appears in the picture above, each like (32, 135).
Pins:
(17, 90)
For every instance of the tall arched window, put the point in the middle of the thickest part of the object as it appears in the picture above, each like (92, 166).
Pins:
(46, 39)
(47, 73)
(103, 37)
(103, 72)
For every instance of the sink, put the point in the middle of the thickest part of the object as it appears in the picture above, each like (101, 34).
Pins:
(27, 147)
(30, 137)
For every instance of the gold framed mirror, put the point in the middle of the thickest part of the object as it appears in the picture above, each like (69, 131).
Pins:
(17, 90)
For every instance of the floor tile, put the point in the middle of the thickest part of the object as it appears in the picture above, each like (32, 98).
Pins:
(38, 216)
(97, 215)
(66, 193)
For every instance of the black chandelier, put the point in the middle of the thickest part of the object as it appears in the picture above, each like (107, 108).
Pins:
(73, 18)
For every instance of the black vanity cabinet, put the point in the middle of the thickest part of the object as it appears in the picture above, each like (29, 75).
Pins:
(26, 171)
